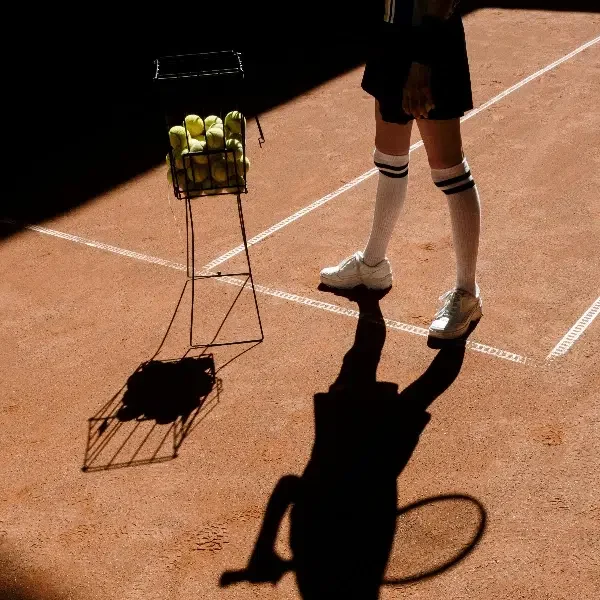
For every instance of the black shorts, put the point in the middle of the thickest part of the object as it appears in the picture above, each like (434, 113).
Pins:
(389, 62)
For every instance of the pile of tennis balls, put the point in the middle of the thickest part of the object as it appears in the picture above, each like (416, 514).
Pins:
(209, 172)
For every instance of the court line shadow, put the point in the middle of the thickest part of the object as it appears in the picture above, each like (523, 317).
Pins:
(343, 508)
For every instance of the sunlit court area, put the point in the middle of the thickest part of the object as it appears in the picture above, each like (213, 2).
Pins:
(298, 302)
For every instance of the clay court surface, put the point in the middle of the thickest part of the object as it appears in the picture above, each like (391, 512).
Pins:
(504, 475)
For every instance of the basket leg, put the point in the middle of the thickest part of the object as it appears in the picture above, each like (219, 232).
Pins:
(243, 229)
(191, 264)
(187, 237)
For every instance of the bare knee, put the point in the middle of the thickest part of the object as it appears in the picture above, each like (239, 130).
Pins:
(443, 142)
(391, 138)
(444, 158)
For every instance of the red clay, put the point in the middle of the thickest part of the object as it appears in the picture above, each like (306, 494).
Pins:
(521, 442)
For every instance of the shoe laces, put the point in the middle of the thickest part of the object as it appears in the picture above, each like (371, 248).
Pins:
(451, 303)
(348, 260)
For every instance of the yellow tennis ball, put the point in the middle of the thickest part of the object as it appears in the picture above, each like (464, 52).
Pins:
(236, 150)
(178, 159)
(196, 146)
(215, 138)
(197, 173)
(208, 187)
(236, 181)
(179, 175)
(233, 136)
(178, 137)
(234, 120)
(199, 138)
(212, 120)
(240, 165)
(219, 171)
(195, 125)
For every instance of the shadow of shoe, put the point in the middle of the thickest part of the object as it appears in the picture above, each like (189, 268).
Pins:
(358, 294)
(439, 344)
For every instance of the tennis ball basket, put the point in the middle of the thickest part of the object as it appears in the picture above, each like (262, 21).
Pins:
(203, 100)
(203, 96)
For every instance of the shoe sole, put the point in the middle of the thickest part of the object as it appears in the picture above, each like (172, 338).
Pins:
(457, 335)
(385, 284)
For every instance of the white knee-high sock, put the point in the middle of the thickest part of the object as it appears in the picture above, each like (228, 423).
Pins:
(391, 192)
(465, 214)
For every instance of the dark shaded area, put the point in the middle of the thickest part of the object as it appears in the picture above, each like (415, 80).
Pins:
(159, 393)
(81, 113)
(18, 584)
(167, 390)
(343, 507)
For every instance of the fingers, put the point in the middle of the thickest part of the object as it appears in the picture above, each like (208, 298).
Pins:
(421, 107)
(417, 102)
(429, 104)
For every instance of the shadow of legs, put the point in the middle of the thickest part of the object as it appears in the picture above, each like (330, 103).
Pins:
(344, 506)
(265, 566)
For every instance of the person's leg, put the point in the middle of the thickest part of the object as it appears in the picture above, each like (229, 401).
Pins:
(371, 268)
(450, 172)
(392, 143)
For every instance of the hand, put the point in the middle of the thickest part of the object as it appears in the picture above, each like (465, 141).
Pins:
(268, 569)
(416, 96)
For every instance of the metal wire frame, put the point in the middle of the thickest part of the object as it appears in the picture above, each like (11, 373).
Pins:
(181, 79)
(193, 276)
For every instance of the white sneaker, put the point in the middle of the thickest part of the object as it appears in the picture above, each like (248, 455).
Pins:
(459, 310)
(353, 271)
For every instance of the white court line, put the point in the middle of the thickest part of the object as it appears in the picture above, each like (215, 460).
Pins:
(100, 246)
(576, 331)
(326, 306)
(307, 209)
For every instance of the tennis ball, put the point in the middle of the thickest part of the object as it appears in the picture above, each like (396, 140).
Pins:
(233, 136)
(195, 125)
(233, 121)
(235, 182)
(178, 159)
(219, 171)
(199, 138)
(215, 138)
(197, 173)
(196, 146)
(180, 177)
(207, 187)
(178, 137)
(212, 120)
(236, 150)
(240, 165)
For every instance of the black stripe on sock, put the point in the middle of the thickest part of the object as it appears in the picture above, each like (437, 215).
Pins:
(394, 175)
(460, 188)
(454, 179)
(391, 167)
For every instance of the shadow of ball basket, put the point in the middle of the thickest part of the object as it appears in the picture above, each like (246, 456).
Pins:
(432, 535)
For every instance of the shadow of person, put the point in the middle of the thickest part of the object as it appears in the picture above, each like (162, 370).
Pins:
(343, 507)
